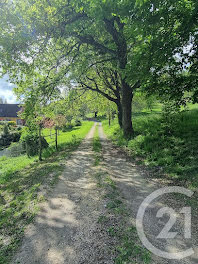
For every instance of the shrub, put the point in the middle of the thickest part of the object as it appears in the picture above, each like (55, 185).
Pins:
(11, 123)
(16, 136)
(78, 123)
(5, 130)
(7, 138)
(67, 127)
(2, 123)
(31, 143)
(15, 149)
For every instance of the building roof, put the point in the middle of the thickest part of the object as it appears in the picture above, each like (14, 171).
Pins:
(9, 110)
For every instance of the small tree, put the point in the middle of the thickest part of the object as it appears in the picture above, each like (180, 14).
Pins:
(5, 130)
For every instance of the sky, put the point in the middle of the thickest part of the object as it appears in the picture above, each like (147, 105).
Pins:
(6, 90)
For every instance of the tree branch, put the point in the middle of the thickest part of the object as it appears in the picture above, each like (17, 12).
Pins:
(88, 39)
(99, 91)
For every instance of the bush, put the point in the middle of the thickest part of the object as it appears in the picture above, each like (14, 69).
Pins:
(2, 123)
(7, 138)
(16, 136)
(15, 149)
(78, 123)
(6, 130)
(67, 127)
(31, 144)
(11, 123)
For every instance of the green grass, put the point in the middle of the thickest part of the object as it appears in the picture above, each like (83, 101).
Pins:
(20, 181)
(115, 221)
(97, 147)
(8, 166)
(170, 143)
(74, 135)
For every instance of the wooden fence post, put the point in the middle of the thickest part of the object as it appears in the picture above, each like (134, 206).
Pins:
(40, 143)
(56, 138)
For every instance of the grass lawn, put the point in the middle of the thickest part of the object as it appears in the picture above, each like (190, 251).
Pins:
(76, 134)
(20, 182)
(172, 146)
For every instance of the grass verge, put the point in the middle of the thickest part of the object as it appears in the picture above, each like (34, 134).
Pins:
(97, 147)
(167, 143)
(21, 189)
(115, 221)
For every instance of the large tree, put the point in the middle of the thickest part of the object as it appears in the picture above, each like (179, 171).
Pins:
(53, 34)
(104, 80)
(43, 41)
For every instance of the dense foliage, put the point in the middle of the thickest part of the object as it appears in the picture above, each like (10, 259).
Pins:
(110, 47)
(31, 143)
(9, 133)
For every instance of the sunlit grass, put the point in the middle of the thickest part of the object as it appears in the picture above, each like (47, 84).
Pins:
(8, 166)
(97, 147)
(65, 139)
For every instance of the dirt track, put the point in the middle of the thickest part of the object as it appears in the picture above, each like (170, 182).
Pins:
(66, 229)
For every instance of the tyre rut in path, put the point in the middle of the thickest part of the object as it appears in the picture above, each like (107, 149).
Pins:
(135, 188)
(66, 229)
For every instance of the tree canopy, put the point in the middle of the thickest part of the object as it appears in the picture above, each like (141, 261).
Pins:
(111, 47)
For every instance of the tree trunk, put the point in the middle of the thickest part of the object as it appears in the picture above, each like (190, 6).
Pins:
(119, 106)
(126, 100)
(109, 114)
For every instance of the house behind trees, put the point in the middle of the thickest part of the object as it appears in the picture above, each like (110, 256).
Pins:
(10, 112)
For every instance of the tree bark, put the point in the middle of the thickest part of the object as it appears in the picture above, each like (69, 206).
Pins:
(119, 106)
(126, 100)
(109, 118)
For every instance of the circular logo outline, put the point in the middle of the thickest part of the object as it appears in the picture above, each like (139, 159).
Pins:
(140, 219)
